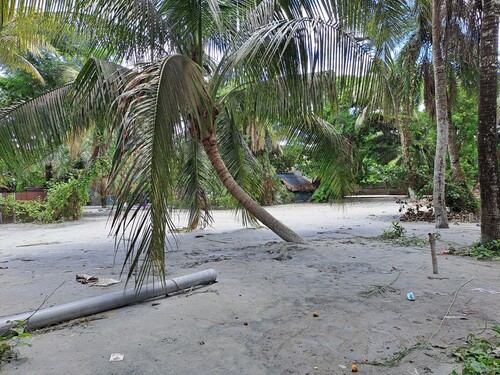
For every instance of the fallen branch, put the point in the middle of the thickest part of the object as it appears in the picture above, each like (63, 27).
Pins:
(449, 309)
(379, 289)
(394, 359)
(437, 278)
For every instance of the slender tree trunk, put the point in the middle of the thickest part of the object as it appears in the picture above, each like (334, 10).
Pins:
(438, 55)
(453, 150)
(48, 170)
(103, 190)
(210, 145)
(487, 133)
(403, 125)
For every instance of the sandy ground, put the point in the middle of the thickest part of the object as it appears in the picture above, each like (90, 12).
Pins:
(259, 318)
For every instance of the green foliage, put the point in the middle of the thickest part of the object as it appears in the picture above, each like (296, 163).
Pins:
(11, 182)
(392, 174)
(423, 183)
(481, 356)
(217, 195)
(395, 231)
(65, 199)
(320, 195)
(292, 158)
(486, 250)
(411, 241)
(10, 343)
(377, 153)
(459, 197)
(219, 198)
(423, 146)
(20, 85)
(26, 211)
(464, 117)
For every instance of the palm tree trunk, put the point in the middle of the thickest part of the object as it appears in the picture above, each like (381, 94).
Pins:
(438, 200)
(403, 125)
(103, 189)
(210, 145)
(48, 170)
(453, 150)
(487, 142)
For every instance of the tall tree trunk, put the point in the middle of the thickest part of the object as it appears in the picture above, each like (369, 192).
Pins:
(453, 150)
(48, 170)
(103, 189)
(487, 133)
(403, 125)
(438, 55)
(210, 145)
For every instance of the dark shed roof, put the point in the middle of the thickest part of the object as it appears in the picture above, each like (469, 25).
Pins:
(295, 182)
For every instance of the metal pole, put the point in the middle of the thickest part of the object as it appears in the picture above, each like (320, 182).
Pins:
(94, 305)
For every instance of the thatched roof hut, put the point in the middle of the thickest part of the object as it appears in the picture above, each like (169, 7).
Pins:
(296, 183)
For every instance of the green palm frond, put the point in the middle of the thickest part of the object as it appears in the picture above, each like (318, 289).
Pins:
(119, 29)
(320, 47)
(202, 29)
(33, 129)
(10, 9)
(131, 29)
(95, 90)
(14, 61)
(334, 156)
(155, 107)
(19, 38)
(240, 161)
(384, 23)
(291, 108)
(309, 56)
(186, 14)
(194, 182)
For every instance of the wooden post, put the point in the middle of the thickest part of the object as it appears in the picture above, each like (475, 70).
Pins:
(14, 211)
(432, 241)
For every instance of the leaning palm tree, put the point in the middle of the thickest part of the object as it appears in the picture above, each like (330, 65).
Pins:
(211, 63)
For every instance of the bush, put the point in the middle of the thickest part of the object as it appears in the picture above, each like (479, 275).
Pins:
(396, 231)
(486, 250)
(26, 211)
(459, 197)
(392, 174)
(480, 356)
(13, 339)
(64, 199)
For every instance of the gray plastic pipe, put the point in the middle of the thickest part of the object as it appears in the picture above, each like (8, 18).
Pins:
(94, 305)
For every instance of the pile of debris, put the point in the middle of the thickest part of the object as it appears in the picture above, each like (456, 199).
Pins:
(423, 211)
